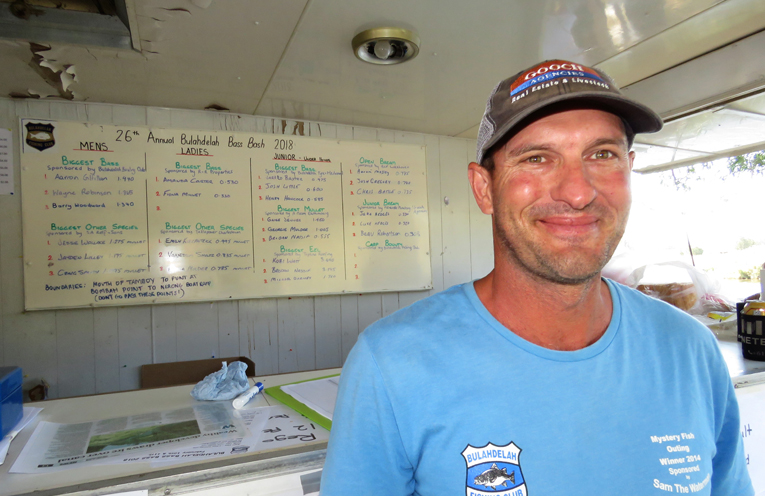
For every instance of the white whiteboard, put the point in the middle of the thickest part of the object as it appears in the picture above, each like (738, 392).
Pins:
(751, 402)
(117, 216)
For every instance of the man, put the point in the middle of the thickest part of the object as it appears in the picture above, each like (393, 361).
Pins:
(542, 378)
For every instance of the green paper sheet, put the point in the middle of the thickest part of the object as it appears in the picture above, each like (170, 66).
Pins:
(276, 393)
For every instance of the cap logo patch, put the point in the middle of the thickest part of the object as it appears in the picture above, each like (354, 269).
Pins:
(550, 71)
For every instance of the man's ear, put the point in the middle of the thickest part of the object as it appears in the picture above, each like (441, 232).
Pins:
(480, 183)
(632, 158)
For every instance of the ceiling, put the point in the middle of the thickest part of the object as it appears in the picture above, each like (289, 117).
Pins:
(293, 58)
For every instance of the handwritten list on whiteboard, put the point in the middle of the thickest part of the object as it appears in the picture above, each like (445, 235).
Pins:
(751, 401)
(118, 216)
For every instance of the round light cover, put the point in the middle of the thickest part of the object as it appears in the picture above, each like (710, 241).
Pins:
(386, 45)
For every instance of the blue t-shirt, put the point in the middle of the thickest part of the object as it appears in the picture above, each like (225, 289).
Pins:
(441, 399)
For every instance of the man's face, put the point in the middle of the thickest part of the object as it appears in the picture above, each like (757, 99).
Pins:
(559, 194)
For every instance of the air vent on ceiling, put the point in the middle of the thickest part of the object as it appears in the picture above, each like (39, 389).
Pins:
(386, 46)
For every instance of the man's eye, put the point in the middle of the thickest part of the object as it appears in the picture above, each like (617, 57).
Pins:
(536, 159)
(603, 154)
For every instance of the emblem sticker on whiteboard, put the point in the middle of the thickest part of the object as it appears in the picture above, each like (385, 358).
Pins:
(494, 471)
(39, 136)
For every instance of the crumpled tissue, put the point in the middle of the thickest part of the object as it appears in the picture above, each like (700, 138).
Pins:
(225, 384)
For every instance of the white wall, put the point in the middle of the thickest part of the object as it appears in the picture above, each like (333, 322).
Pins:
(87, 351)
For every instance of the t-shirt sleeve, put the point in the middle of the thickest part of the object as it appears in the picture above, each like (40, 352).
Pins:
(730, 475)
(365, 453)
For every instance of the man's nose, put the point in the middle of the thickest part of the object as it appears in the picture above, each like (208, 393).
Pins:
(573, 184)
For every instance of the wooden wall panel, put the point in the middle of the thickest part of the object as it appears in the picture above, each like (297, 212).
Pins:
(296, 324)
(101, 350)
(197, 330)
(39, 109)
(30, 343)
(106, 340)
(228, 328)
(259, 320)
(192, 119)
(349, 323)
(390, 304)
(264, 125)
(385, 135)
(435, 210)
(66, 111)
(246, 333)
(287, 341)
(164, 333)
(99, 113)
(158, 117)
(455, 217)
(328, 329)
(76, 352)
(370, 310)
(233, 122)
(30, 338)
(126, 115)
(134, 328)
(481, 245)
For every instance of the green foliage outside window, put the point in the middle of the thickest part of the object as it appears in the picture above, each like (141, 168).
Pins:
(744, 243)
(753, 163)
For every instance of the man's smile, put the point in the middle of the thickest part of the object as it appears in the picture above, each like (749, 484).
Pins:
(570, 226)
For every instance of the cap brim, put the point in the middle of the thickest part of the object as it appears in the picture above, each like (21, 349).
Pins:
(640, 118)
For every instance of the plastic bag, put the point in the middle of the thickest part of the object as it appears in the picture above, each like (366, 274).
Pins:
(622, 264)
(681, 285)
(225, 384)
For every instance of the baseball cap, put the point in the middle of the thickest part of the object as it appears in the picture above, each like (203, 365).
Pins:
(552, 82)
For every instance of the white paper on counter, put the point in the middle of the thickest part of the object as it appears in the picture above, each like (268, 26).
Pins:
(29, 414)
(270, 427)
(53, 447)
(319, 395)
(266, 428)
(286, 427)
(255, 419)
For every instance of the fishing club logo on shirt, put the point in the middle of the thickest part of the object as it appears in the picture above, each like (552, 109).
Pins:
(40, 135)
(494, 471)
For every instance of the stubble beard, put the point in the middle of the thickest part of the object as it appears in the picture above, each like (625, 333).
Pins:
(574, 267)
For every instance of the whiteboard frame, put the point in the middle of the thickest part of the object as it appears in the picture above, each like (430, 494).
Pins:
(222, 133)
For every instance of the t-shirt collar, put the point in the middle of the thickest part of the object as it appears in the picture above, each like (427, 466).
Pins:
(562, 356)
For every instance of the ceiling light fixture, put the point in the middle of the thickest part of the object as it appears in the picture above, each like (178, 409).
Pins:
(386, 45)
